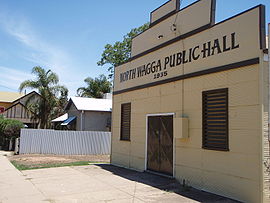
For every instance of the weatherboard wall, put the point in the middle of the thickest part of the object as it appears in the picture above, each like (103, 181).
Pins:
(96, 120)
(90, 120)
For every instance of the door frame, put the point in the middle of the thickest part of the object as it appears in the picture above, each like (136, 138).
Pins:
(146, 138)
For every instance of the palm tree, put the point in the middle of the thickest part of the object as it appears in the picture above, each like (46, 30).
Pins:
(59, 108)
(95, 88)
(46, 83)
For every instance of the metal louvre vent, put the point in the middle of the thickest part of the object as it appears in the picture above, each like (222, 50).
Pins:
(215, 119)
(125, 121)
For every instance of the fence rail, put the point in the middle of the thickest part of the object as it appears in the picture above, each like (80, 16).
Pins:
(33, 141)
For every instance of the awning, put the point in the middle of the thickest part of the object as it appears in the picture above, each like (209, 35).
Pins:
(61, 118)
(68, 121)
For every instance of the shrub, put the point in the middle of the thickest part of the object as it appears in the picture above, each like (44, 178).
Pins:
(9, 130)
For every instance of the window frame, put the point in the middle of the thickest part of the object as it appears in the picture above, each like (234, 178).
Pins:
(122, 136)
(205, 145)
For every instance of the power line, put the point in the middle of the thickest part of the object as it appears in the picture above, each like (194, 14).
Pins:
(8, 87)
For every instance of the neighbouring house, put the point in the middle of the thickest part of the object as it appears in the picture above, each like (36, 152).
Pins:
(86, 114)
(192, 102)
(7, 98)
(56, 123)
(19, 109)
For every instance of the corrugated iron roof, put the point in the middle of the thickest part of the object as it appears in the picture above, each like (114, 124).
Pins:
(10, 96)
(61, 118)
(91, 104)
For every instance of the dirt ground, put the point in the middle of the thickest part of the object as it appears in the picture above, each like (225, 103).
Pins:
(36, 159)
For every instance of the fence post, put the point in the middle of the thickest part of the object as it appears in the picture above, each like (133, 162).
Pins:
(17, 142)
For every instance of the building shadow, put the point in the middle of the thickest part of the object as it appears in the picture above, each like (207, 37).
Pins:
(166, 184)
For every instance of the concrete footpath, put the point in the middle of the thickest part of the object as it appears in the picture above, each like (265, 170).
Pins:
(14, 186)
(93, 183)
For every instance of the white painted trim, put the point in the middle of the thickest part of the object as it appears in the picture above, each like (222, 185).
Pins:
(174, 155)
(160, 114)
(146, 136)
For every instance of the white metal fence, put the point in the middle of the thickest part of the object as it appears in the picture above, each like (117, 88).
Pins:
(33, 141)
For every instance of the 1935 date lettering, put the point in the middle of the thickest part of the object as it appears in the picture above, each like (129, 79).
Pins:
(160, 75)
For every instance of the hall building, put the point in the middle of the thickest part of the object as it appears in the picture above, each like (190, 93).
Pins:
(193, 101)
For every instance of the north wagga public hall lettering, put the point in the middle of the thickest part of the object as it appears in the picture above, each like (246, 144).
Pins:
(159, 68)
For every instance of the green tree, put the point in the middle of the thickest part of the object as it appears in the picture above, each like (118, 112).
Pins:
(61, 101)
(119, 52)
(95, 88)
(12, 128)
(46, 83)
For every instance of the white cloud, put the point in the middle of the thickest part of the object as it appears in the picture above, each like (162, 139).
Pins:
(41, 52)
(12, 78)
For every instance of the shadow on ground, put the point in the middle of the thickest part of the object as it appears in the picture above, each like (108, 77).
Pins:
(166, 184)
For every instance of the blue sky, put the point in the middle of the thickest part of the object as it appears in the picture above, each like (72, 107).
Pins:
(68, 36)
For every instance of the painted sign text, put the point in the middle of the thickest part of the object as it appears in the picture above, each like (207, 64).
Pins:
(159, 68)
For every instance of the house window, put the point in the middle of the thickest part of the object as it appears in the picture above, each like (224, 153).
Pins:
(215, 119)
(125, 121)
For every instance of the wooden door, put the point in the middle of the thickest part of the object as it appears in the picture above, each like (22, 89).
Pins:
(160, 144)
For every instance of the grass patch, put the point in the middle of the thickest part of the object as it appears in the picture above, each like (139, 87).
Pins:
(22, 167)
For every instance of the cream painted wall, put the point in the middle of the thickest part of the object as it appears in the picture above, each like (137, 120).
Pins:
(265, 135)
(184, 21)
(166, 8)
(247, 32)
(239, 173)
(234, 174)
(266, 145)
